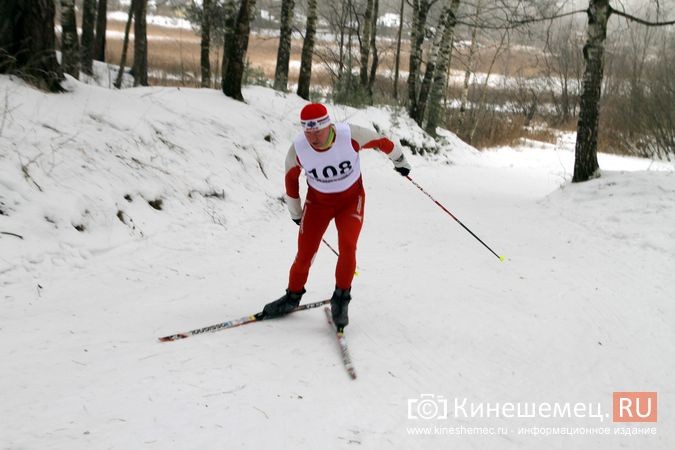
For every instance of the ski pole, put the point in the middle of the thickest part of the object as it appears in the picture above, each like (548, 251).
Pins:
(501, 258)
(331, 248)
(356, 272)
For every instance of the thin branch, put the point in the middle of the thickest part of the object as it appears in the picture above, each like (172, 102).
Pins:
(510, 24)
(641, 21)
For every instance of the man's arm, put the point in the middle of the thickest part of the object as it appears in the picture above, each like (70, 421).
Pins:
(292, 195)
(367, 138)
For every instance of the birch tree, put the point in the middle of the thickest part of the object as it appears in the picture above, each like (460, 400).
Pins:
(439, 37)
(585, 151)
(440, 73)
(469, 61)
(419, 15)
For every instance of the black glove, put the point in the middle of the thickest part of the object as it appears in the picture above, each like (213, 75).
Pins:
(297, 221)
(404, 171)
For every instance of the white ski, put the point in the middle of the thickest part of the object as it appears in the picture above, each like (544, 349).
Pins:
(342, 342)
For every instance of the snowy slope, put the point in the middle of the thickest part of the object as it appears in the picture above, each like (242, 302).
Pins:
(581, 308)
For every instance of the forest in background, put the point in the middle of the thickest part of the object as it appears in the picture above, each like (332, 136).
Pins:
(493, 73)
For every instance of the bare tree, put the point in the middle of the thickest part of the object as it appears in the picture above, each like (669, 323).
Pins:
(305, 77)
(140, 68)
(440, 37)
(206, 44)
(469, 61)
(419, 13)
(365, 43)
(27, 42)
(284, 51)
(397, 62)
(125, 45)
(598, 13)
(585, 152)
(229, 39)
(658, 109)
(441, 69)
(481, 101)
(373, 47)
(101, 27)
(232, 79)
(70, 57)
(87, 41)
(338, 59)
(563, 68)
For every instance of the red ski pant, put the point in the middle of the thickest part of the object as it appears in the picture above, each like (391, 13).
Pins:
(347, 210)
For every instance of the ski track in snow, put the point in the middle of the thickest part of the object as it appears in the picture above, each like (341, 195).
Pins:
(581, 307)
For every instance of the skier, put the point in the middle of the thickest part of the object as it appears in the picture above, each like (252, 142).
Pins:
(329, 154)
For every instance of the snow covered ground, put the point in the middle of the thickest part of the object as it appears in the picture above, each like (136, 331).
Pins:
(129, 215)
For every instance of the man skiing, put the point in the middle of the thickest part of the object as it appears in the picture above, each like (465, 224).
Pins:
(329, 154)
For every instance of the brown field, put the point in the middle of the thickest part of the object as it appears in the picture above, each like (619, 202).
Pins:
(176, 52)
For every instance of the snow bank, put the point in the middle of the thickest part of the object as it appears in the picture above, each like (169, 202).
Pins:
(94, 168)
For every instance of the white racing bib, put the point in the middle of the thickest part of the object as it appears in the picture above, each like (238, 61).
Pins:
(333, 170)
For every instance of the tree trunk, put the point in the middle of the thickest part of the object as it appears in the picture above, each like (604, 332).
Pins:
(373, 47)
(125, 46)
(228, 39)
(70, 54)
(307, 52)
(284, 52)
(585, 152)
(398, 50)
(441, 70)
(101, 27)
(365, 43)
(344, 13)
(431, 65)
(87, 43)
(469, 62)
(232, 80)
(140, 69)
(206, 44)
(27, 42)
(420, 12)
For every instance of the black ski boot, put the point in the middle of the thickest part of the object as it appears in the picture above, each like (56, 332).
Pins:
(339, 304)
(287, 303)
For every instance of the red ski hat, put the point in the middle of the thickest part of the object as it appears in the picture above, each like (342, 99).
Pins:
(314, 116)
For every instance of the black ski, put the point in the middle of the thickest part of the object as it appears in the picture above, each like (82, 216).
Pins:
(235, 323)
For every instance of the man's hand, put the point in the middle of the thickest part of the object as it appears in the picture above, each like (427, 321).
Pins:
(402, 170)
(401, 165)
